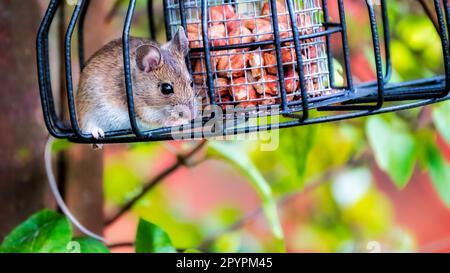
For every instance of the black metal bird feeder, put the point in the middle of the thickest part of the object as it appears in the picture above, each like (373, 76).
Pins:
(291, 43)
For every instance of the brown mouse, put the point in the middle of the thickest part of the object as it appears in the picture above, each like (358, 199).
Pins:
(162, 87)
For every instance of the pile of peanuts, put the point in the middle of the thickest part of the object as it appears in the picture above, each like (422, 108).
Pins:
(249, 76)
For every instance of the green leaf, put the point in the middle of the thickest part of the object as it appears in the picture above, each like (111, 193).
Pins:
(44, 232)
(338, 73)
(239, 158)
(294, 154)
(89, 245)
(394, 148)
(152, 239)
(441, 118)
(439, 172)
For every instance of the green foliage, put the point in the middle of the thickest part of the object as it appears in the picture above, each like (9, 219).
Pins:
(89, 245)
(152, 239)
(295, 151)
(439, 172)
(156, 208)
(305, 153)
(393, 146)
(441, 118)
(48, 232)
(240, 159)
(338, 73)
(44, 232)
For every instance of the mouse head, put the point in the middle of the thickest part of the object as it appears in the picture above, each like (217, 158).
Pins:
(164, 88)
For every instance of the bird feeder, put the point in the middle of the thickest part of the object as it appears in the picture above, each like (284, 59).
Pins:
(255, 58)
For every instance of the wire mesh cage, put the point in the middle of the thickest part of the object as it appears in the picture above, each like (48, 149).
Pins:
(254, 58)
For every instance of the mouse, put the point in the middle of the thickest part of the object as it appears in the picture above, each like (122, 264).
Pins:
(163, 88)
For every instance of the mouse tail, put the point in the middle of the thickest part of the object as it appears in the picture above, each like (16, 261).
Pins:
(57, 195)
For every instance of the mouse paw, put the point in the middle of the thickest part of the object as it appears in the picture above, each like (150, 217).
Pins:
(97, 133)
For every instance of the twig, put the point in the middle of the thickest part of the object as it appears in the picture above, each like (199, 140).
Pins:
(122, 244)
(182, 160)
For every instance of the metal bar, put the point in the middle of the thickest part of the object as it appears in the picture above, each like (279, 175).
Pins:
(167, 20)
(151, 20)
(298, 52)
(377, 53)
(56, 120)
(326, 25)
(127, 69)
(207, 51)
(83, 14)
(346, 48)
(184, 24)
(43, 68)
(68, 66)
(280, 70)
(387, 40)
(444, 41)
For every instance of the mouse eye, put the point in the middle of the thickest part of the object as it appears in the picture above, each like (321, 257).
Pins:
(167, 89)
(192, 84)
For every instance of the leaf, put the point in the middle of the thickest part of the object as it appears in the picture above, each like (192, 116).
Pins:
(238, 158)
(44, 232)
(338, 73)
(294, 153)
(89, 245)
(152, 239)
(394, 148)
(441, 118)
(440, 173)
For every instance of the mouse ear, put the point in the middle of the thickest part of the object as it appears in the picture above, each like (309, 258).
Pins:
(180, 42)
(148, 58)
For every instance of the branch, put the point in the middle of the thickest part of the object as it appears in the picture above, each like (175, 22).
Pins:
(123, 244)
(182, 160)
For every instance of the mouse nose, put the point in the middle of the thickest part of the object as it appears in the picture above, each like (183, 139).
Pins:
(185, 112)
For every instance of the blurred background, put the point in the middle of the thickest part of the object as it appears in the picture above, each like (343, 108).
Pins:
(371, 184)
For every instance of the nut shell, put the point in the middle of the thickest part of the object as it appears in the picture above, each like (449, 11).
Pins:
(242, 91)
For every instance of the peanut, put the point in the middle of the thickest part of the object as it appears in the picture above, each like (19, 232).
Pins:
(242, 91)
(240, 36)
(270, 62)
(256, 62)
(217, 35)
(291, 80)
(266, 85)
(221, 86)
(263, 30)
(281, 12)
(199, 72)
(231, 65)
